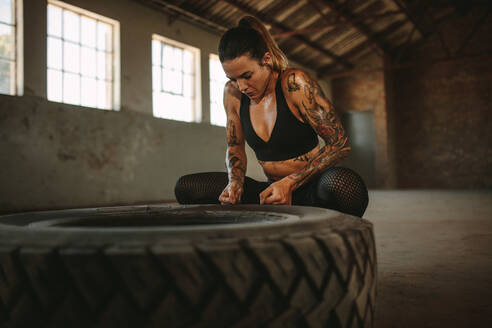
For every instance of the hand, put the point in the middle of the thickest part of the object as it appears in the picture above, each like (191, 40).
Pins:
(279, 192)
(232, 193)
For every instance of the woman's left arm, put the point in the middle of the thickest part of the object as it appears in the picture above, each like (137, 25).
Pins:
(306, 95)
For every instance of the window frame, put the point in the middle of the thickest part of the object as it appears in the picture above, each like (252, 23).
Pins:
(116, 53)
(18, 24)
(211, 57)
(197, 111)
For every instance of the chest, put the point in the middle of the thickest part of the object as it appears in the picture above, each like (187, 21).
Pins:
(263, 117)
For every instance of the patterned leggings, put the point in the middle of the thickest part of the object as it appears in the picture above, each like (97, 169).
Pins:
(336, 188)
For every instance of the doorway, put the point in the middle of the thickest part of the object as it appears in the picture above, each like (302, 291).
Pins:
(359, 127)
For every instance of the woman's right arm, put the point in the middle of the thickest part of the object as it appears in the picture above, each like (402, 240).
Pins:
(236, 155)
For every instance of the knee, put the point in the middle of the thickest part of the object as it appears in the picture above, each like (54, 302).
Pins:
(182, 189)
(344, 189)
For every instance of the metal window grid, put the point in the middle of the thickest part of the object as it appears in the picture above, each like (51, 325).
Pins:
(79, 44)
(14, 25)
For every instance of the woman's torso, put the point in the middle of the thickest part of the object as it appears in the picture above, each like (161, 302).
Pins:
(282, 141)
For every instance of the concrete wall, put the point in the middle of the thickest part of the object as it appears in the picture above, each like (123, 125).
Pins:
(444, 122)
(62, 156)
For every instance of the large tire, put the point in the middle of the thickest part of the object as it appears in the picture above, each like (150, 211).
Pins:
(187, 266)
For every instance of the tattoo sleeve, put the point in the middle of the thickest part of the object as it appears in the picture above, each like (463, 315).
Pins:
(320, 114)
(235, 157)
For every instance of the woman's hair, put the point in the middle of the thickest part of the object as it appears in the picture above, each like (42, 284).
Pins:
(251, 37)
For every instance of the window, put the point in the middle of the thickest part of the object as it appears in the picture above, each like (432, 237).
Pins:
(175, 80)
(9, 63)
(218, 80)
(82, 57)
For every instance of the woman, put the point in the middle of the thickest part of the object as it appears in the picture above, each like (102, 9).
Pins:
(280, 112)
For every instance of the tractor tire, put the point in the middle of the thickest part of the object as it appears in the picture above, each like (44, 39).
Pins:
(187, 266)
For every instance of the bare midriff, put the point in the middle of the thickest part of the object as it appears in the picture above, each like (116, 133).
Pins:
(276, 170)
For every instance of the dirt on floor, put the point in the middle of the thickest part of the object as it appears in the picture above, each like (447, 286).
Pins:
(434, 258)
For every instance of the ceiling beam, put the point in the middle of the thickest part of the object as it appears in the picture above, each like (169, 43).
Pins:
(364, 45)
(251, 11)
(411, 17)
(354, 22)
(333, 23)
(167, 7)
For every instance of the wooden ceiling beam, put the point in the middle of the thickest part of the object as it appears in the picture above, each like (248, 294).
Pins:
(251, 11)
(411, 17)
(384, 33)
(167, 7)
(351, 18)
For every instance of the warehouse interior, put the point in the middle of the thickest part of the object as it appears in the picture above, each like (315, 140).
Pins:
(410, 79)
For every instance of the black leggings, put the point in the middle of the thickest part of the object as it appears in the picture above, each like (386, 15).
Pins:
(336, 188)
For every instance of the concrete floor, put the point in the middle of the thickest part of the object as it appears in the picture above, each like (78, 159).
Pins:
(434, 258)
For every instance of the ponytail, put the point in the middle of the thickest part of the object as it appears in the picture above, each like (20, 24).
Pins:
(251, 37)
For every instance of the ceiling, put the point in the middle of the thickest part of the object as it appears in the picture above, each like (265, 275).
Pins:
(328, 36)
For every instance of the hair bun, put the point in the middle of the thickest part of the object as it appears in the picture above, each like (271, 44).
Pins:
(244, 22)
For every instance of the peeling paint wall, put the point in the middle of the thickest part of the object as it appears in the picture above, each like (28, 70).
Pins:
(56, 155)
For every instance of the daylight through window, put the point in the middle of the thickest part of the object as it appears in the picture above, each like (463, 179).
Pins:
(175, 73)
(8, 47)
(218, 80)
(81, 57)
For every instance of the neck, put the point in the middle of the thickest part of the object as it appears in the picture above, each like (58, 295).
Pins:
(270, 86)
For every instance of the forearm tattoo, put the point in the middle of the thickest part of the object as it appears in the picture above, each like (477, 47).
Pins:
(302, 158)
(327, 126)
(235, 166)
(231, 134)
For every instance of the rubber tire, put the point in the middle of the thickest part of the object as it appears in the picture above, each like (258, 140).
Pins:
(310, 267)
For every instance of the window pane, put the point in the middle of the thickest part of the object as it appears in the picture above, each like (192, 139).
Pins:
(71, 88)
(173, 89)
(88, 62)
(156, 52)
(101, 65)
(54, 21)
(178, 82)
(172, 81)
(54, 53)
(7, 11)
(7, 77)
(7, 46)
(71, 57)
(80, 61)
(178, 59)
(167, 57)
(188, 87)
(104, 37)
(55, 85)
(109, 67)
(217, 83)
(156, 78)
(188, 65)
(218, 115)
(88, 26)
(89, 92)
(71, 26)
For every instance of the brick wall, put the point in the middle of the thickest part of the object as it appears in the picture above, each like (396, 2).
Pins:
(443, 111)
(368, 91)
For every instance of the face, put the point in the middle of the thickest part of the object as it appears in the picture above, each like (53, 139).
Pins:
(250, 77)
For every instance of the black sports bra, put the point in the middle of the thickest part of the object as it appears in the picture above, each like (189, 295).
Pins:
(290, 137)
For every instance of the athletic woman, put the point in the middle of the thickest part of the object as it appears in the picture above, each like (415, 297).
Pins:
(280, 112)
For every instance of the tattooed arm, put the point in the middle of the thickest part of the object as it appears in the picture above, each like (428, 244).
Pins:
(306, 96)
(236, 155)
(315, 109)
